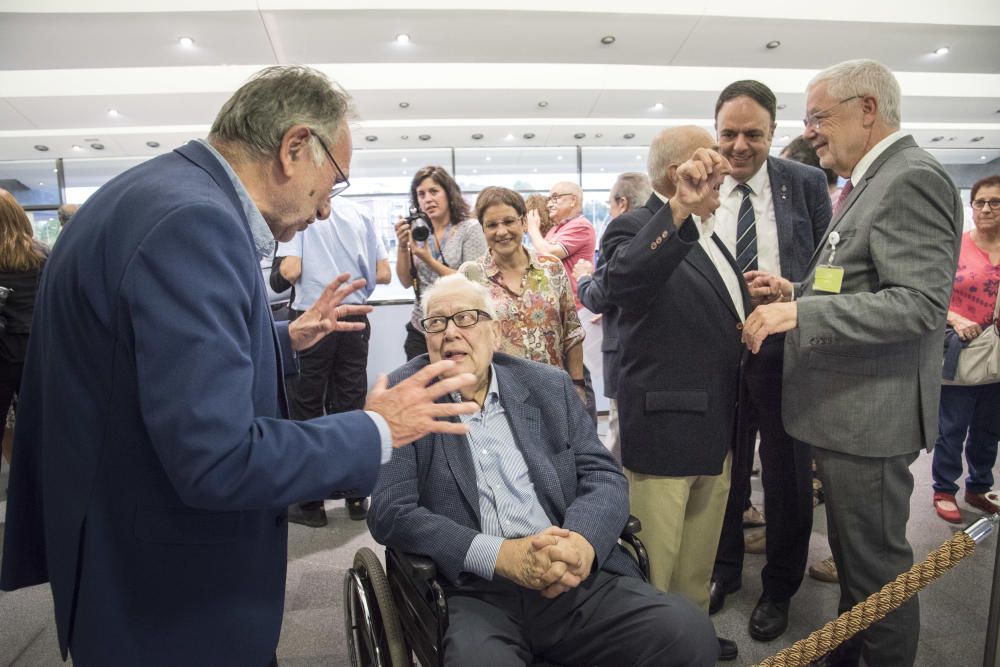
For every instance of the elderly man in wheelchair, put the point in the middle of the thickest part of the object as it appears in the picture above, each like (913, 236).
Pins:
(521, 518)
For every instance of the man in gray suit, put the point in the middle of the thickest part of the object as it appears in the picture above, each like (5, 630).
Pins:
(863, 353)
(522, 516)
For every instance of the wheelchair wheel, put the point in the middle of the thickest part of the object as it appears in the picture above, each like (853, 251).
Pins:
(374, 638)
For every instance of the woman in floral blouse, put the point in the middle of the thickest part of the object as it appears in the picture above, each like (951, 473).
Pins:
(536, 312)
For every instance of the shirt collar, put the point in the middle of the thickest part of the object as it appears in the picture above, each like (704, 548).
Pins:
(756, 182)
(263, 239)
(490, 267)
(868, 158)
(492, 394)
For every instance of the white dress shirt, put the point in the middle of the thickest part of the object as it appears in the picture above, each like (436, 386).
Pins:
(768, 254)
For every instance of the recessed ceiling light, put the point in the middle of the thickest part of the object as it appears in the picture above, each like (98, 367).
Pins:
(638, 157)
(404, 105)
(579, 135)
(488, 158)
(535, 170)
(773, 44)
(528, 135)
(402, 38)
(424, 137)
(938, 138)
(77, 147)
(629, 135)
(113, 113)
(608, 39)
(153, 144)
(952, 138)
(781, 106)
(544, 104)
(97, 147)
(602, 169)
(403, 160)
(475, 171)
(941, 51)
(509, 137)
(658, 106)
(982, 157)
(598, 135)
(477, 136)
(404, 137)
(41, 147)
(977, 138)
(371, 137)
(55, 171)
(41, 182)
(186, 42)
(405, 172)
(559, 157)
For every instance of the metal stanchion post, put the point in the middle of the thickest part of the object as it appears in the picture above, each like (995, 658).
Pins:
(990, 656)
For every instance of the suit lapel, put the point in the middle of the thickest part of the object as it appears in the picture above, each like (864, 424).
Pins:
(702, 263)
(463, 469)
(782, 214)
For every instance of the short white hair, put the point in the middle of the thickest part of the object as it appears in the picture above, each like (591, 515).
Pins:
(457, 285)
(860, 78)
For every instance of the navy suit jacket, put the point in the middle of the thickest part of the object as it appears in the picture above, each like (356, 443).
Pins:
(681, 355)
(802, 213)
(153, 461)
(426, 500)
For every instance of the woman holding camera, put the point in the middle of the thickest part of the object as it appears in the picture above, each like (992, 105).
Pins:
(451, 238)
(21, 261)
(970, 415)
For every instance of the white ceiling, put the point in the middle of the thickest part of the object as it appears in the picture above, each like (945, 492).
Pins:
(65, 63)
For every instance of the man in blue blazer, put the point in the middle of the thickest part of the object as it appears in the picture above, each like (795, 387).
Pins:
(154, 458)
(772, 216)
(522, 515)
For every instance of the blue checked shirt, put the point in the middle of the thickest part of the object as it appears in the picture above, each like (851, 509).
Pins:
(507, 502)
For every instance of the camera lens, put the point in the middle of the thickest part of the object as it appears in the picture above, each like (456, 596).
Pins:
(419, 231)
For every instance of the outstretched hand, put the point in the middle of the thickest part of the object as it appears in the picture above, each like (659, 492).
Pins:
(409, 408)
(324, 316)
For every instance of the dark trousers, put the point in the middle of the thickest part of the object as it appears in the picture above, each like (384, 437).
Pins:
(786, 474)
(10, 384)
(607, 620)
(333, 376)
(867, 508)
(968, 416)
(415, 343)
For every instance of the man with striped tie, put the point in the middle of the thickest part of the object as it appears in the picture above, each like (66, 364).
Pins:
(773, 214)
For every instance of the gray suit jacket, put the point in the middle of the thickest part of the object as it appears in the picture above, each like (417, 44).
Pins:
(426, 500)
(863, 369)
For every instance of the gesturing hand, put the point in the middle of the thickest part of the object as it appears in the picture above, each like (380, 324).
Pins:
(769, 319)
(324, 316)
(698, 182)
(410, 409)
(534, 221)
(583, 268)
(767, 288)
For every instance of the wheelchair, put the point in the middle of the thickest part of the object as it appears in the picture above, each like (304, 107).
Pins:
(396, 613)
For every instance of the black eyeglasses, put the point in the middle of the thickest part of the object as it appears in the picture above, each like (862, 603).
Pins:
(342, 182)
(555, 198)
(463, 319)
(814, 120)
(980, 204)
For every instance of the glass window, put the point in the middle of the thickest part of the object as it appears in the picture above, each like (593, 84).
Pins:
(85, 175)
(46, 225)
(32, 182)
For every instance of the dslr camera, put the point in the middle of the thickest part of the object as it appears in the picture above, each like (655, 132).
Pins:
(420, 225)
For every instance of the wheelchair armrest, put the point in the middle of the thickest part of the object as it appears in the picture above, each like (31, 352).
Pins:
(632, 526)
(416, 566)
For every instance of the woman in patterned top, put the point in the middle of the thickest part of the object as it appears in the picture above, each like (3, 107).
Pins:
(971, 415)
(536, 314)
(455, 238)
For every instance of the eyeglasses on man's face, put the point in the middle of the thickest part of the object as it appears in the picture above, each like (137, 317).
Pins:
(815, 120)
(463, 319)
(980, 204)
(341, 183)
(554, 199)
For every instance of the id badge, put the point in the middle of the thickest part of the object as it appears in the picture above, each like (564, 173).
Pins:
(828, 278)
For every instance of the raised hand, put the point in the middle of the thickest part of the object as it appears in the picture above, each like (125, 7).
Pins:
(324, 316)
(698, 182)
(583, 268)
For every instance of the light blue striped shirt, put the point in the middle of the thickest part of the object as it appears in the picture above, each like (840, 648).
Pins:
(508, 505)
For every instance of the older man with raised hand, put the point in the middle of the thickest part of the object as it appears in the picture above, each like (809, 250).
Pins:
(682, 300)
(865, 330)
(773, 214)
(155, 459)
(522, 515)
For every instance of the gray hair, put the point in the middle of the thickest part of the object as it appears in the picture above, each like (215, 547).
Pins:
(674, 145)
(634, 187)
(457, 285)
(863, 77)
(254, 120)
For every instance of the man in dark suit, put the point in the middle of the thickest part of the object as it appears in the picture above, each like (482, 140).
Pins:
(773, 213)
(865, 331)
(154, 459)
(629, 192)
(682, 300)
(522, 515)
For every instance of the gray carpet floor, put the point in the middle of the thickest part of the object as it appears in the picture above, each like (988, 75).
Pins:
(953, 610)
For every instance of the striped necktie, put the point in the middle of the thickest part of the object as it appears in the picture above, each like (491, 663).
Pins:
(746, 233)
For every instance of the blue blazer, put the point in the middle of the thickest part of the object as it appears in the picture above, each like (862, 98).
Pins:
(802, 212)
(154, 462)
(426, 500)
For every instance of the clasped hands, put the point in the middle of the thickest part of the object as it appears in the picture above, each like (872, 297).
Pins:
(552, 561)
(774, 311)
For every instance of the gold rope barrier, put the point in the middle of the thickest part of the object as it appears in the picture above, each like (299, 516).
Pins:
(876, 606)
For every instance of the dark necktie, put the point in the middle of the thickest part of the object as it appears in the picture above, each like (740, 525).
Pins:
(746, 233)
(846, 190)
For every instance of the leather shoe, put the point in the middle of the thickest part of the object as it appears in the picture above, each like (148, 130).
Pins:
(946, 512)
(307, 515)
(980, 502)
(357, 508)
(769, 619)
(727, 650)
(717, 592)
